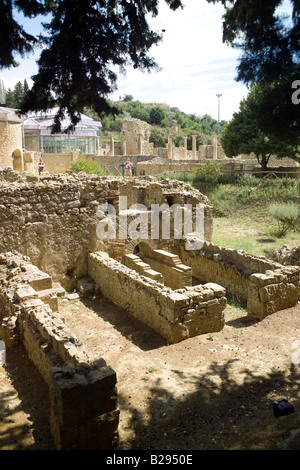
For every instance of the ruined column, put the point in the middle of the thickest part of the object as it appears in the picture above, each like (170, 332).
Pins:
(124, 151)
(194, 147)
(185, 147)
(215, 147)
(112, 146)
(170, 148)
(140, 144)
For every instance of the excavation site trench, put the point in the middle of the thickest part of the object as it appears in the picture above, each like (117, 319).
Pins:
(210, 392)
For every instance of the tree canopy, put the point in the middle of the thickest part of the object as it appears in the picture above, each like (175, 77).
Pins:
(270, 45)
(15, 97)
(243, 135)
(84, 43)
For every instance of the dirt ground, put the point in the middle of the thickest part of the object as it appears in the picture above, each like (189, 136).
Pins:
(211, 392)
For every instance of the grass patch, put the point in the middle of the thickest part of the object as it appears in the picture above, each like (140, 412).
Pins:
(257, 237)
(245, 203)
(241, 195)
(237, 302)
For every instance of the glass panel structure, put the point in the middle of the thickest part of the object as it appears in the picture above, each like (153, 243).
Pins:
(85, 140)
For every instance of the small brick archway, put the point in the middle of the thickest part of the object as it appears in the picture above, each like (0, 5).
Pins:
(134, 246)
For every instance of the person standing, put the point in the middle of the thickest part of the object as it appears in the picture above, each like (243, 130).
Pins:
(41, 166)
(128, 167)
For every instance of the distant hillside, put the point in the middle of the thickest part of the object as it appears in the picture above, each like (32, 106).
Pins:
(161, 117)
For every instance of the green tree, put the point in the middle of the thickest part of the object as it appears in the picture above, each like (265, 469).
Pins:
(270, 46)
(244, 135)
(158, 137)
(15, 97)
(128, 98)
(84, 42)
(18, 93)
(137, 110)
(156, 115)
(87, 166)
(10, 99)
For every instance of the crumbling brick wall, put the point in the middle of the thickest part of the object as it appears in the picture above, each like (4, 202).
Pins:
(175, 314)
(82, 388)
(266, 285)
(54, 219)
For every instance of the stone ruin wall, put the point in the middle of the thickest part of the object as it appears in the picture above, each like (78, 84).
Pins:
(53, 219)
(135, 136)
(267, 286)
(175, 314)
(48, 234)
(82, 388)
(10, 143)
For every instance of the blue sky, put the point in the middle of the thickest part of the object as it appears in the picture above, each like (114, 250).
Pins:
(195, 64)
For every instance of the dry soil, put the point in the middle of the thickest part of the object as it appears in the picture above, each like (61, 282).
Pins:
(211, 392)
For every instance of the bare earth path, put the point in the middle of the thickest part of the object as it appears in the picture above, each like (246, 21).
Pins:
(208, 392)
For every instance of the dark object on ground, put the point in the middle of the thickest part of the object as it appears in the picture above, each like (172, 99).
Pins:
(282, 407)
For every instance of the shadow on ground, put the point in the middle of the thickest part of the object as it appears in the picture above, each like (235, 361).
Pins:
(221, 414)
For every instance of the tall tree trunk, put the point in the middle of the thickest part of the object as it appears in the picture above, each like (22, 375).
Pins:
(263, 160)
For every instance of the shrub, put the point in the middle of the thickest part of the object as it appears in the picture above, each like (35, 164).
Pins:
(87, 166)
(210, 172)
(287, 216)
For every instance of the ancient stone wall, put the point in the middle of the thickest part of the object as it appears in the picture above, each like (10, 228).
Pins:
(54, 219)
(266, 285)
(287, 256)
(174, 314)
(31, 161)
(112, 164)
(175, 274)
(10, 143)
(82, 388)
(158, 166)
(135, 136)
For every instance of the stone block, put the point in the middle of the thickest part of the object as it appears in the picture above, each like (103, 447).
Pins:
(218, 290)
(86, 286)
(25, 292)
(39, 281)
(49, 297)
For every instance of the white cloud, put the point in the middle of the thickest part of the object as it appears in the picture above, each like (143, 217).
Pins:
(195, 64)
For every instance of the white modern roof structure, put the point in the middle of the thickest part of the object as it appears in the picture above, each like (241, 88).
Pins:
(43, 122)
(86, 138)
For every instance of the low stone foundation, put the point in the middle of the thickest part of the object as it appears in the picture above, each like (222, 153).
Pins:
(82, 389)
(267, 285)
(175, 314)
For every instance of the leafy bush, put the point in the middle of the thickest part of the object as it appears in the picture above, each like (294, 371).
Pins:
(287, 216)
(87, 166)
(210, 172)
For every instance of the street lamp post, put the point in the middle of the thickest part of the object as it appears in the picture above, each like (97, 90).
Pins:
(219, 96)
